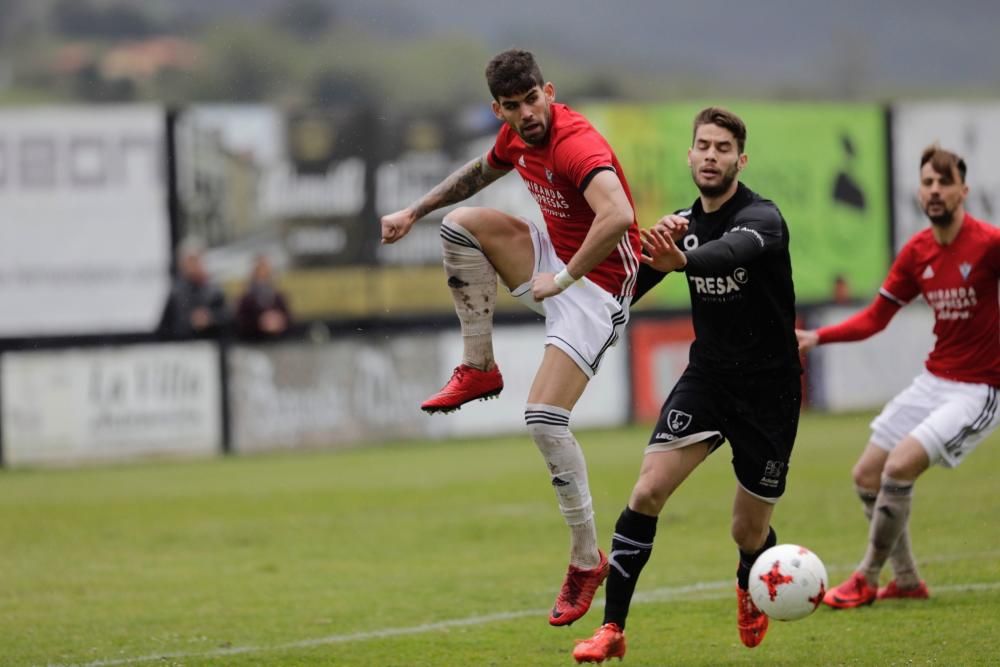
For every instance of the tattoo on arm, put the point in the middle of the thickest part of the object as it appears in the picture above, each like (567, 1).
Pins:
(459, 186)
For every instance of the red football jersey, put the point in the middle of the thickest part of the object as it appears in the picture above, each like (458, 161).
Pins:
(960, 282)
(556, 174)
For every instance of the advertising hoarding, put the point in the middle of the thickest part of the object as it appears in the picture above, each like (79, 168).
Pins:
(84, 228)
(824, 165)
(111, 403)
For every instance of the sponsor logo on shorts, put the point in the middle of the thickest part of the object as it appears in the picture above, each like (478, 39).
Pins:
(772, 474)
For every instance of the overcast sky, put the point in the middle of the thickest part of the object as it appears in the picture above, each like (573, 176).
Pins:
(893, 43)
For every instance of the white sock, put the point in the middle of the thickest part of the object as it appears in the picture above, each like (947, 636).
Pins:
(549, 428)
(473, 283)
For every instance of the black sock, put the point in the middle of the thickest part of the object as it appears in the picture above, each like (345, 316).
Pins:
(630, 549)
(748, 559)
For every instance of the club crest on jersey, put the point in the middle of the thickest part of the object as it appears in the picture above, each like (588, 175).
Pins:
(965, 269)
(548, 175)
(678, 421)
(741, 276)
(690, 242)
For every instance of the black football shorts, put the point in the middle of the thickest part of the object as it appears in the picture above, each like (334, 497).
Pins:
(759, 416)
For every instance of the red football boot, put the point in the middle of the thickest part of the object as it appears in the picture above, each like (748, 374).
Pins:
(578, 591)
(750, 621)
(466, 384)
(855, 592)
(608, 642)
(893, 591)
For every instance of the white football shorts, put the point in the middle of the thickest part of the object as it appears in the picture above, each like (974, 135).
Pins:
(948, 418)
(585, 320)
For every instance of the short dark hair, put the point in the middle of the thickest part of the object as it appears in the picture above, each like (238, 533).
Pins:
(943, 162)
(513, 72)
(724, 119)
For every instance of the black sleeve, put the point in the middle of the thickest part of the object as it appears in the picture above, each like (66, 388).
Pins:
(723, 254)
(647, 279)
(756, 230)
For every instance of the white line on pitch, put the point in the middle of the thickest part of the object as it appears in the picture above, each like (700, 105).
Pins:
(706, 590)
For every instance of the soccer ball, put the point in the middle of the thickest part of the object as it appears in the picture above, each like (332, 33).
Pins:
(788, 582)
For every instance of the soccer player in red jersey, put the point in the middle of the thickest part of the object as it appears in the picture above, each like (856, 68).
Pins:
(950, 407)
(578, 271)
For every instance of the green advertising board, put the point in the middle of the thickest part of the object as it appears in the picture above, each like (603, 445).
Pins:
(824, 165)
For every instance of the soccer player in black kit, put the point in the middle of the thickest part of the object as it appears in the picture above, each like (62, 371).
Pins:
(742, 383)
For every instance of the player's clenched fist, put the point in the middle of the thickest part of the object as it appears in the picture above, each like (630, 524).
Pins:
(396, 225)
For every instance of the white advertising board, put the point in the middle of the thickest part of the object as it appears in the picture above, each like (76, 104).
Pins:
(84, 229)
(369, 389)
(970, 129)
(117, 403)
(518, 351)
(864, 375)
(342, 392)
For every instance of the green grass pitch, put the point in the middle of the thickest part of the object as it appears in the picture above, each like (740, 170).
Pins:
(450, 554)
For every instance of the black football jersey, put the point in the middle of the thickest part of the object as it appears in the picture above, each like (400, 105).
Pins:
(739, 275)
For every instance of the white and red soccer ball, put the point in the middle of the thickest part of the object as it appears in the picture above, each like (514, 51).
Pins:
(788, 582)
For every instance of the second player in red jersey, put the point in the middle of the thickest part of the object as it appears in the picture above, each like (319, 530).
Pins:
(952, 406)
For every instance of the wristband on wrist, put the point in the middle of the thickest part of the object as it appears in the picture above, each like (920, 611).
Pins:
(564, 280)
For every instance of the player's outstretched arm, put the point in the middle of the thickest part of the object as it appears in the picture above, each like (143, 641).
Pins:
(459, 186)
(863, 324)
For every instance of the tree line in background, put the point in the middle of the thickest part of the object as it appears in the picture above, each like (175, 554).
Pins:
(297, 52)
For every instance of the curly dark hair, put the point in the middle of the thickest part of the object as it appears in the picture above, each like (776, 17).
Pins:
(513, 72)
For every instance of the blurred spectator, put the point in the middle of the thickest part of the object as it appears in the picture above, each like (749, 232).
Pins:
(841, 289)
(263, 310)
(197, 306)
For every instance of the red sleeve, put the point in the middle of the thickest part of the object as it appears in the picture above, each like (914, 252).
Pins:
(863, 324)
(580, 154)
(901, 284)
(497, 157)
